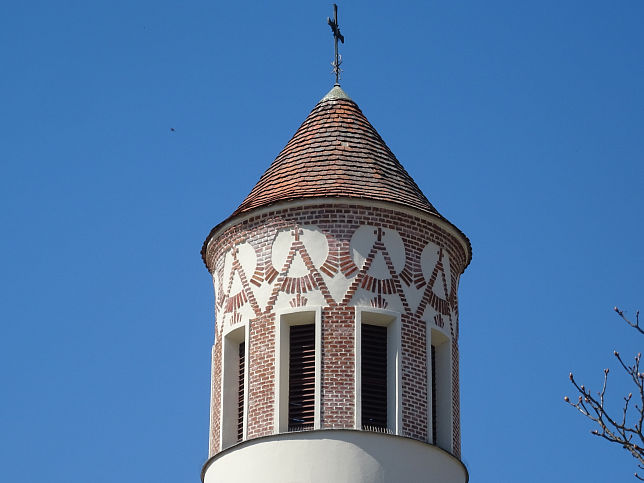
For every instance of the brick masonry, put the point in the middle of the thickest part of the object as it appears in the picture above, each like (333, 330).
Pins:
(250, 289)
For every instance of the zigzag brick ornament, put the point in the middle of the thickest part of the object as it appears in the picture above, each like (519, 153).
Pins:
(336, 305)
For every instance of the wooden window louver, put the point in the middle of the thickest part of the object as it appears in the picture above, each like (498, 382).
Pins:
(240, 392)
(374, 377)
(301, 388)
(433, 361)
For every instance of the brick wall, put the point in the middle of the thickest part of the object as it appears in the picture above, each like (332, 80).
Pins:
(338, 222)
(338, 367)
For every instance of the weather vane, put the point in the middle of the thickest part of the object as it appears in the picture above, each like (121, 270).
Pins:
(336, 35)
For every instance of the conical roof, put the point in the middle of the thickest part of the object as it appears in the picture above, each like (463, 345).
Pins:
(336, 152)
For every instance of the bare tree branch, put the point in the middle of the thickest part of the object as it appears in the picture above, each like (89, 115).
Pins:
(635, 325)
(626, 430)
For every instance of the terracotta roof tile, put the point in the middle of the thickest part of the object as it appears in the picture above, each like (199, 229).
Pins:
(336, 152)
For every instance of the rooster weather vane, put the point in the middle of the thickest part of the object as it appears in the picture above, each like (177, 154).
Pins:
(336, 35)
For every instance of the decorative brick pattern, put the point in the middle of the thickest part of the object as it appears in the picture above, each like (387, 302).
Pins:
(389, 288)
(298, 301)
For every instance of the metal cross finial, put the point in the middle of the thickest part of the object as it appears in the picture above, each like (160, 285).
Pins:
(336, 35)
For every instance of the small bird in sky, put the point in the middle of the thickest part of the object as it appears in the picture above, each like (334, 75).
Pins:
(171, 129)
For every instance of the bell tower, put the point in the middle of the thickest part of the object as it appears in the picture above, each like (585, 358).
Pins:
(336, 338)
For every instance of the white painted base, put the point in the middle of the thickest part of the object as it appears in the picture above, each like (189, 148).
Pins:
(338, 456)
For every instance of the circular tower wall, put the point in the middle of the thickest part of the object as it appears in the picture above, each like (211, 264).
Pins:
(337, 264)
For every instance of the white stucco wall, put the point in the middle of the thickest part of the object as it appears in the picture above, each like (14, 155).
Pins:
(334, 456)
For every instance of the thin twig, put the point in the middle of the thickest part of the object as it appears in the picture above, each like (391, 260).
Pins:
(611, 429)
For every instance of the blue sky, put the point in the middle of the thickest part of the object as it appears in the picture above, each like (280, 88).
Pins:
(522, 123)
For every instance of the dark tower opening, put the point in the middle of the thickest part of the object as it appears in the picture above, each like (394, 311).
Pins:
(374, 377)
(301, 388)
(240, 392)
(433, 356)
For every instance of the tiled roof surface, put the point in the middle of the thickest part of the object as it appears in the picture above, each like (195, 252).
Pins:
(336, 152)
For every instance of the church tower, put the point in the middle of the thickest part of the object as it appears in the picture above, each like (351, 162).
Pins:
(336, 340)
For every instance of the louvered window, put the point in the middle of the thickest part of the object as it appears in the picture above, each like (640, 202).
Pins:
(433, 356)
(240, 391)
(301, 388)
(374, 377)
(233, 387)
